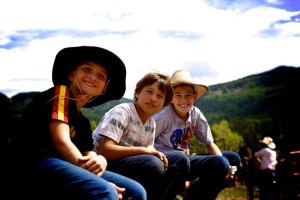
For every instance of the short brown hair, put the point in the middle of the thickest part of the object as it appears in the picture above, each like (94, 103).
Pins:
(163, 84)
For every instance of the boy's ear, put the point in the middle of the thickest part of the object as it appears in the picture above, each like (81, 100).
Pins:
(195, 96)
(71, 76)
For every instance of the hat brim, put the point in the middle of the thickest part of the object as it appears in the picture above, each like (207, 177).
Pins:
(271, 146)
(69, 58)
(200, 89)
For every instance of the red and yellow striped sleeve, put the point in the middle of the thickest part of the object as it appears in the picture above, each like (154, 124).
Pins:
(60, 104)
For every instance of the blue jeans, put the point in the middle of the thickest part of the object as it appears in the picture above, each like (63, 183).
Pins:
(58, 179)
(149, 171)
(211, 171)
(267, 184)
(175, 177)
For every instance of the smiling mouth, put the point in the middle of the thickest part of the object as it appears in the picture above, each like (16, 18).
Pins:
(89, 84)
(183, 106)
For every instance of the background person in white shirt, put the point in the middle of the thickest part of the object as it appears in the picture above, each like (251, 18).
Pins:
(267, 158)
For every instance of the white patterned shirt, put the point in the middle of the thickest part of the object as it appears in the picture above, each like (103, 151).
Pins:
(123, 125)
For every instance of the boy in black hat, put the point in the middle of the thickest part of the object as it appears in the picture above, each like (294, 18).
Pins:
(54, 145)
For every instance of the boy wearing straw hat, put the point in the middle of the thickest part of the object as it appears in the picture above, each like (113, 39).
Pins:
(178, 123)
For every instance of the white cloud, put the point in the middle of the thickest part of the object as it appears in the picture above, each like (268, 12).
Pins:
(217, 45)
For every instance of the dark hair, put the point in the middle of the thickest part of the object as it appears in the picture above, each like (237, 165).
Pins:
(163, 84)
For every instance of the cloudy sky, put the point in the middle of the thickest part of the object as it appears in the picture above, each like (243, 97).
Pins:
(216, 40)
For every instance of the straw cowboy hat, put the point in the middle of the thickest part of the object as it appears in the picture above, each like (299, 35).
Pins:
(269, 142)
(69, 58)
(184, 77)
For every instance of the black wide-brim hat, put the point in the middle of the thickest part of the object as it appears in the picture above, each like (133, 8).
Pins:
(68, 59)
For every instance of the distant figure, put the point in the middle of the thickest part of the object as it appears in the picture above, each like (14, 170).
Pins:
(267, 174)
(248, 171)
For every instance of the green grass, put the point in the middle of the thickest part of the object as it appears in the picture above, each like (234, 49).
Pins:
(231, 193)
(237, 193)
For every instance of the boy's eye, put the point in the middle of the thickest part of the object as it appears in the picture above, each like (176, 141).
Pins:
(149, 91)
(89, 70)
(101, 77)
(160, 96)
(86, 69)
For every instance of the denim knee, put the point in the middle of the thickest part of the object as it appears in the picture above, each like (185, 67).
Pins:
(155, 166)
(221, 165)
(180, 160)
(233, 158)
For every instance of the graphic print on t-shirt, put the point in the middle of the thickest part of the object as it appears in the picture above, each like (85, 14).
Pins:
(180, 138)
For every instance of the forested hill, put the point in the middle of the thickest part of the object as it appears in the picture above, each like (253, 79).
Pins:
(255, 106)
(258, 105)
(269, 93)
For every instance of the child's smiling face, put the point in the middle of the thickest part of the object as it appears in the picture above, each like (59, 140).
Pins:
(183, 99)
(90, 79)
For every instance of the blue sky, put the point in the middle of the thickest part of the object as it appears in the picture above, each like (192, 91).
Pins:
(216, 40)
